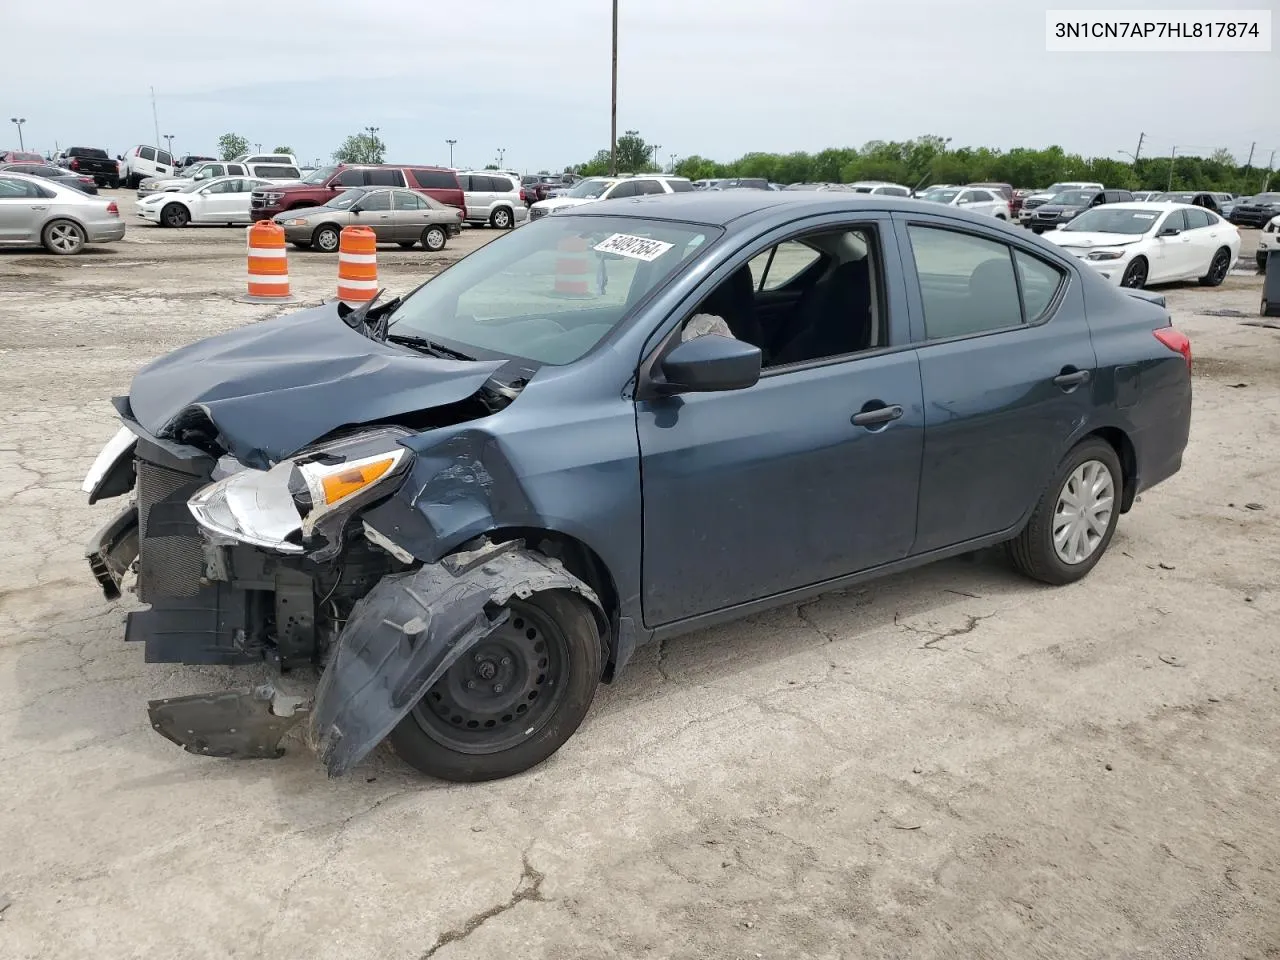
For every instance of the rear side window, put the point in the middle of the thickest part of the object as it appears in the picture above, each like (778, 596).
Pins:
(680, 186)
(162, 157)
(406, 200)
(1040, 282)
(435, 179)
(16, 189)
(235, 169)
(967, 283)
(349, 178)
(627, 189)
(895, 191)
(385, 178)
(280, 173)
(1196, 218)
(147, 153)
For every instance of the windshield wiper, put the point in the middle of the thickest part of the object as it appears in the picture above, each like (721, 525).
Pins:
(426, 346)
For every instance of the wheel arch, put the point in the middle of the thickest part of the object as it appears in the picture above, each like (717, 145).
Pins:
(1123, 446)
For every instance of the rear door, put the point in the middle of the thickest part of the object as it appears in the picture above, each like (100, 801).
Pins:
(1202, 239)
(1007, 367)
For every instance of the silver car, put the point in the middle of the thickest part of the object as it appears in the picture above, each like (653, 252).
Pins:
(63, 220)
(395, 214)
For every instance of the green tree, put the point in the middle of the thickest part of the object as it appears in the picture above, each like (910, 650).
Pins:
(232, 145)
(491, 166)
(634, 156)
(288, 150)
(362, 147)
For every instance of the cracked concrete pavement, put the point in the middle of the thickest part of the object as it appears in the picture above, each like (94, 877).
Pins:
(949, 763)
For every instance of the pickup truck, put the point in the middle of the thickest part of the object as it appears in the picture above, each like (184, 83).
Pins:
(92, 162)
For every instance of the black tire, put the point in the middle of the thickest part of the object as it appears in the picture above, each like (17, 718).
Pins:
(435, 739)
(434, 238)
(502, 219)
(1037, 230)
(1032, 551)
(63, 238)
(406, 244)
(301, 244)
(133, 181)
(1001, 216)
(1135, 274)
(1219, 266)
(1262, 261)
(174, 215)
(114, 183)
(327, 238)
(100, 181)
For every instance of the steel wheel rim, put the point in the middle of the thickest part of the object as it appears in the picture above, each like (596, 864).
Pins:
(1083, 514)
(435, 238)
(327, 240)
(64, 237)
(1135, 276)
(503, 690)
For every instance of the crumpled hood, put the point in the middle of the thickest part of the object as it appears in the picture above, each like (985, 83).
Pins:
(1085, 239)
(273, 387)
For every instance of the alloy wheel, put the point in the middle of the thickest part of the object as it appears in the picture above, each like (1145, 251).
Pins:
(1135, 276)
(65, 237)
(1083, 513)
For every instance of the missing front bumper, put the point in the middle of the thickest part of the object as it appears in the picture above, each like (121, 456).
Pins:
(112, 550)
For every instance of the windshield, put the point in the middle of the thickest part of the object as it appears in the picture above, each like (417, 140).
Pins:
(514, 298)
(940, 195)
(1112, 219)
(1060, 187)
(189, 170)
(1073, 198)
(194, 186)
(321, 175)
(589, 189)
(345, 199)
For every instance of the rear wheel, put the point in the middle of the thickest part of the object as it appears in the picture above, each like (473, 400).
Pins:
(63, 238)
(511, 701)
(1261, 259)
(501, 219)
(1218, 268)
(327, 238)
(114, 183)
(1071, 527)
(175, 215)
(433, 238)
(1135, 275)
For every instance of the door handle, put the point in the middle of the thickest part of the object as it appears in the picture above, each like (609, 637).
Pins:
(877, 416)
(1072, 378)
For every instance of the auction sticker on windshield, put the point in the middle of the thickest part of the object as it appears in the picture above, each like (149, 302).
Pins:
(637, 248)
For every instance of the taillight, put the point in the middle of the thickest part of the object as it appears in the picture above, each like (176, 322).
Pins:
(75, 163)
(1176, 341)
(112, 209)
(522, 196)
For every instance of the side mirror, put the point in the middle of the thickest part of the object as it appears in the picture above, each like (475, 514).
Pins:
(354, 208)
(709, 364)
(1169, 232)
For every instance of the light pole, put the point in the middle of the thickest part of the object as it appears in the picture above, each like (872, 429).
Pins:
(656, 148)
(613, 102)
(673, 163)
(257, 148)
(502, 152)
(451, 143)
(169, 140)
(19, 121)
(374, 155)
(1172, 154)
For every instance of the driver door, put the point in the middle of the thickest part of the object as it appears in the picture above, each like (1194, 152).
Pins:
(375, 213)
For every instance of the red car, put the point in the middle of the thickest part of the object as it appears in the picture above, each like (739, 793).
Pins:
(319, 188)
(20, 156)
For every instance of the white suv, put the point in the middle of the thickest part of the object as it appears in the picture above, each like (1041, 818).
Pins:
(142, 162)
(593, 189)
(493, 197)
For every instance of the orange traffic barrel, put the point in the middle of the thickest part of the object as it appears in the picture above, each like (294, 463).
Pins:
(573, 268)
(357, 265)
(268, 262)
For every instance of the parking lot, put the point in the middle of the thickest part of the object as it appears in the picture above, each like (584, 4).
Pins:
(954, 759)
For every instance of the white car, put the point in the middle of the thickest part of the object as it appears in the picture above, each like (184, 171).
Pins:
(1134, 244)
(972, 199)
(280, 172)
(594, 189)
(1268, 240)
(225, 200)
(881, 188)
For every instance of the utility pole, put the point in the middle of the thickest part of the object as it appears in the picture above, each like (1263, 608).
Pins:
(613, 103)
(656, 148)
(1248, 164)
(154, 118)
(1138, 151)
(673, 163)
(1267, 182)
(1172, 153)
(451, 143)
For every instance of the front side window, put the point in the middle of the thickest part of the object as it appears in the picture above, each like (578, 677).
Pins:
(1176, 220)
(622, 190)
(590, 189)
(376, 200)
(967, 283)
(518, 299)
(778, 266)
(350, 178)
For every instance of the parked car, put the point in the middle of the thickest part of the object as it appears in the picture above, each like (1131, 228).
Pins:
(279, 159)
(45, 171)
(546, 183)
(972, 199)
(1135, 244)
(1015, 203)
(191, 159)
(493, 198)
(92, 162)
(213, 169)
(1069, 204)
(1260, 209)
(471, 504)
(223, 201)
(879, 188)
(1145, 196)
(594, 189)
(60, 218)
(1044, 196)
(20, 156)
(742, 183)
(1268, 240)
(710, 184)
(1004, 189)
(1199, 198)
(144, 161)
(396, 215)
(326, 183)
(1228, 206)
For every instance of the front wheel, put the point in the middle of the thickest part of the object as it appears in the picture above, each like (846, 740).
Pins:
(512, 700)
(175, 215)
(1072, 525)
(1135, 275)
(1218, 268)
(433, 238)
(1261, 259)
(406, 244)
(327, 239)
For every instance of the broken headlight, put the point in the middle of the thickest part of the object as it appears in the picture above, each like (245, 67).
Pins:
(280, 508)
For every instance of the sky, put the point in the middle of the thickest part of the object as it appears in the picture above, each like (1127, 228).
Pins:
(711, 78)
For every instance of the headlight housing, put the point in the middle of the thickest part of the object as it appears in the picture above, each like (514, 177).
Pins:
(306, 497)
(295, 222)
(1105, 254)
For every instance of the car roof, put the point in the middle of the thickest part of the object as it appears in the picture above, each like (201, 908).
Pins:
(1151, 205)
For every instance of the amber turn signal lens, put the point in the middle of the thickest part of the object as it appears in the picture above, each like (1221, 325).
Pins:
(339, 485)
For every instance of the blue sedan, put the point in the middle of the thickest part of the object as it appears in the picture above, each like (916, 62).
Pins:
(624, 422)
